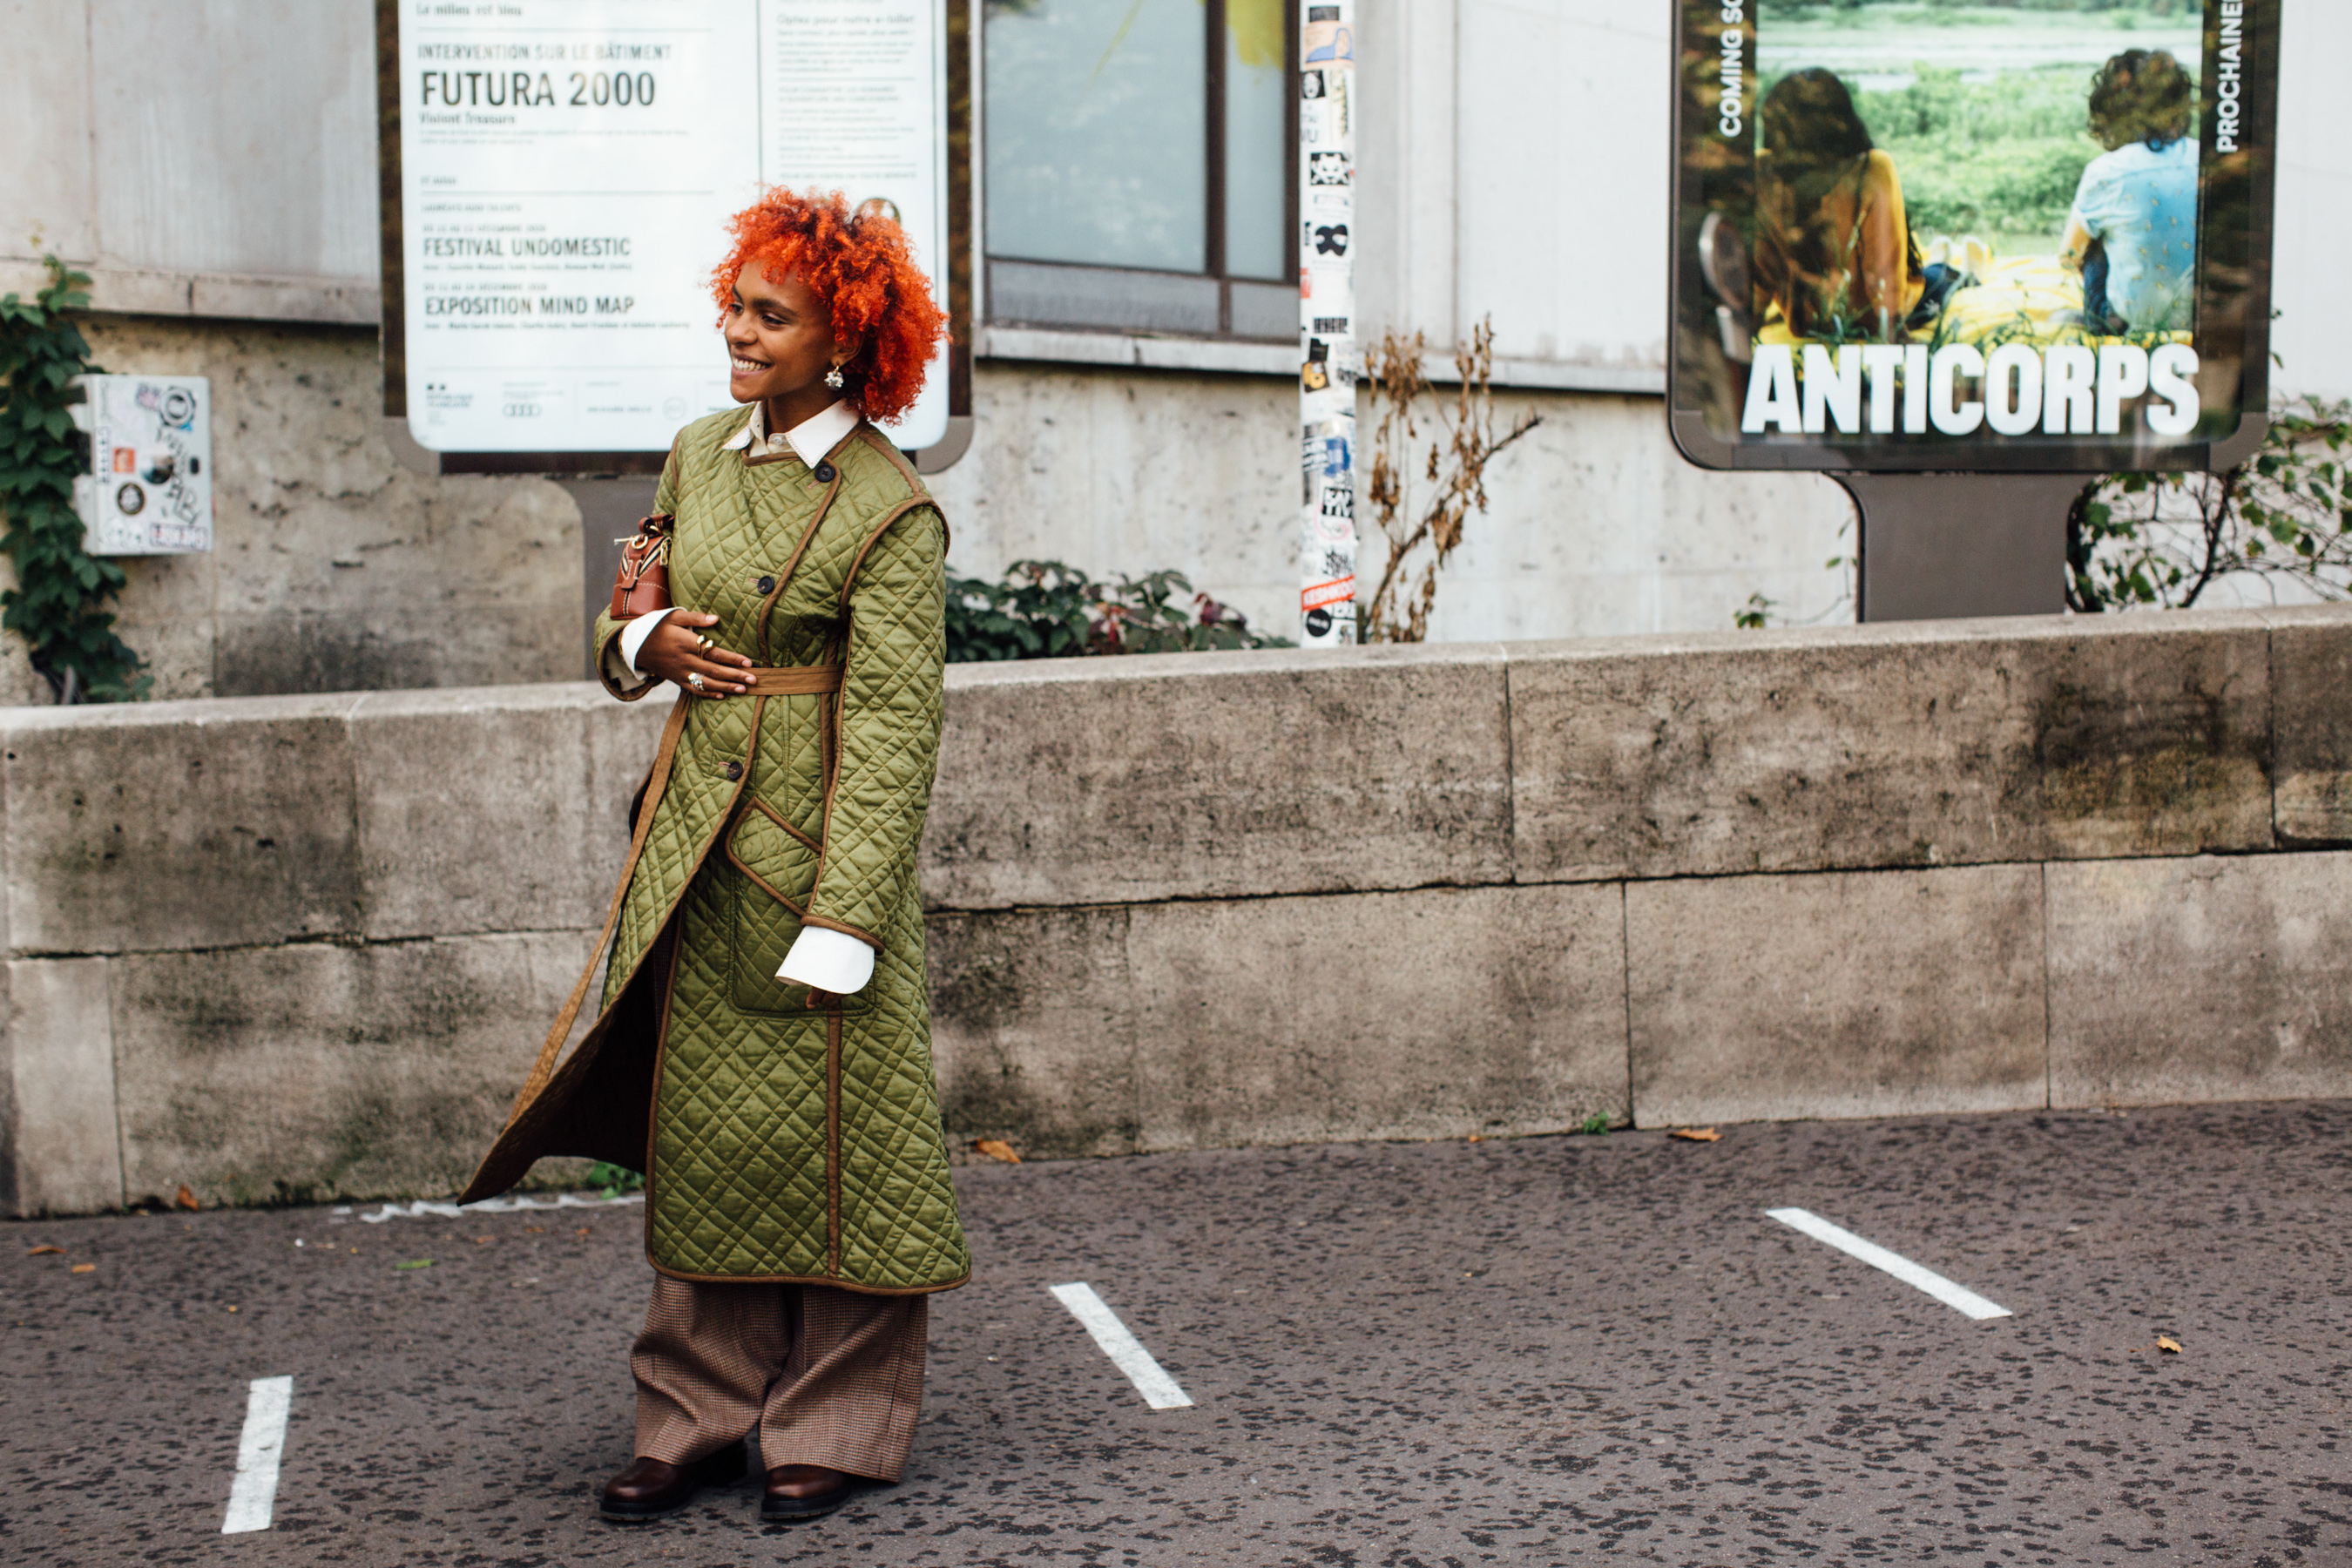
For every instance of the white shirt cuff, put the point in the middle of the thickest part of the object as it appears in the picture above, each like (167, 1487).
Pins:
(828, 960)
(634, 635)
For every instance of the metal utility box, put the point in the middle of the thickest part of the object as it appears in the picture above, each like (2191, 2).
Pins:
(148, 491)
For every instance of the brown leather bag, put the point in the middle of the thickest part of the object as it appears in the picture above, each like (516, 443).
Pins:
(642, 585)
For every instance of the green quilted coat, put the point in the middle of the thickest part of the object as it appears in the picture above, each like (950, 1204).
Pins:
(785, 1135)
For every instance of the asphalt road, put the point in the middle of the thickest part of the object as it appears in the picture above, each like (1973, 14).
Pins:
(1405, 1355)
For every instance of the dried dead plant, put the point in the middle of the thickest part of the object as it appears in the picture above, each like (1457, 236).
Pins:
(1422, 536)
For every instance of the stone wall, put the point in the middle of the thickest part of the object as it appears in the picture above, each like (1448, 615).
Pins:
(303, 946)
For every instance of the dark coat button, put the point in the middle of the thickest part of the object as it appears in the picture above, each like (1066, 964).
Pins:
(824, 473)
(734, 769)
(766, 585)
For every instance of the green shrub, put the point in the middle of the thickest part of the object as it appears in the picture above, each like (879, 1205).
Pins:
(1047, 609)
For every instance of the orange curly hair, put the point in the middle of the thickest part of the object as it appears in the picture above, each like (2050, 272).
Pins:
(862, 269)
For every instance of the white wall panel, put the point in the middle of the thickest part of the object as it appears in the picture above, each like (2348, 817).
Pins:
(2313, 332)
(1563, 151)
(44, 188)
(235, 137)
(1406, 179)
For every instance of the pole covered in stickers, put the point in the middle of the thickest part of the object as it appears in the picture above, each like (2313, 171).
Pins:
(1327, 323)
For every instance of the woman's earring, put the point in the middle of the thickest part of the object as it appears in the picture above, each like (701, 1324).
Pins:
(833, 378)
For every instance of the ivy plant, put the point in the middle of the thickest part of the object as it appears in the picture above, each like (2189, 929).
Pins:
(58, 605)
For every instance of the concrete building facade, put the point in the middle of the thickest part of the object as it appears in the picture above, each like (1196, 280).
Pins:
(214, 167)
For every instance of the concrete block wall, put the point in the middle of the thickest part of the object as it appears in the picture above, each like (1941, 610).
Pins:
(303, 947)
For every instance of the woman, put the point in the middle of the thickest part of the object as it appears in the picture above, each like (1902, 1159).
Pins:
(763, 1049)
(1833, 248)
(2133, 227)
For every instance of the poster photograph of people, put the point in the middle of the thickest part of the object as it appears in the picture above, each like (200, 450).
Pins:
(1926, 223)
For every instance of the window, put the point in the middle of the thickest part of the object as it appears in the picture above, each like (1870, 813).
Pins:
(1139, 162)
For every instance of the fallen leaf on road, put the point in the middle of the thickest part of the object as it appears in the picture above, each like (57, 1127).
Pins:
(479, 1239)
(85, 1267)
(38, 1250)
(995, 1148)
(1698, 1134)
(185, 1198)
(2168, 1344)
(415, 1263)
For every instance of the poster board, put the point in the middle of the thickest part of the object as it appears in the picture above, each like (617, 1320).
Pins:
(557, 176)
(1972, 237)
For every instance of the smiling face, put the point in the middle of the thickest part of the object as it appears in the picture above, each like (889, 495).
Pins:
(779, 343)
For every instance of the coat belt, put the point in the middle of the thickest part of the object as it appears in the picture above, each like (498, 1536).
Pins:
(794, 680)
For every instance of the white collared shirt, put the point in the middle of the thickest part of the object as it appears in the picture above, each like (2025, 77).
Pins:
(809, 440)
(828, 960)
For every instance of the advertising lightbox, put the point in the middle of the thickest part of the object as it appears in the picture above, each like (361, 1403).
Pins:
(1972, 234)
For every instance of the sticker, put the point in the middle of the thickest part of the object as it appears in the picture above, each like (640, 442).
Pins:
(1333, 451)
(1329, 41)
(131, 501)
(1330, 326)
(1322, 596)
(1318, 622)
(1331, 240)
(1334, 524)
(126, 459)
(1329, 168)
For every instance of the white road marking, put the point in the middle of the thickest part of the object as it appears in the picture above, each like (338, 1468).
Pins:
(1126, 1351)
(254, 1492)
(1953, 1296)
(424, 1209)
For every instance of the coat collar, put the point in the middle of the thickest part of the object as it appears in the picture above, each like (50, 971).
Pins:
(810, 439)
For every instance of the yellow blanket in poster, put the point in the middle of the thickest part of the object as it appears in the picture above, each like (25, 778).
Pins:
(2015, 299)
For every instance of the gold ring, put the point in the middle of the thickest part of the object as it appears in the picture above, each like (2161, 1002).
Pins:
(703, 644)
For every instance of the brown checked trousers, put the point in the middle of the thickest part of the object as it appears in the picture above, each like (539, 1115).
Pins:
(825, 1376)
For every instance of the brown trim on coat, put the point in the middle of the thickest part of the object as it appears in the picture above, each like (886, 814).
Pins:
(734, 826)
(881, 443)
(794, 679)
(673, 937)
(961, 1280)
(778, 818)
(915, 485)
(760, 883)
(822, 924)
(832, 1144)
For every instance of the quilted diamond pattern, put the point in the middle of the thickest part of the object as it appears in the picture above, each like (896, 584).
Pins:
(754, 1152)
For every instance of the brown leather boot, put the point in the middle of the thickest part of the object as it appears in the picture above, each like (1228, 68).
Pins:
(805, 1492)
(650, 1488)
